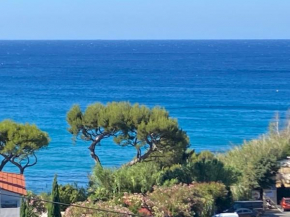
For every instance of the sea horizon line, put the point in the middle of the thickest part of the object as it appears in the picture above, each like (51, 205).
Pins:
(278, 39)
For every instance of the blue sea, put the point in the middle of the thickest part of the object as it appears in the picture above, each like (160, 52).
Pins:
(221, 92)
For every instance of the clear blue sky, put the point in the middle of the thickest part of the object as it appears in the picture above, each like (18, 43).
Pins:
(144, 19)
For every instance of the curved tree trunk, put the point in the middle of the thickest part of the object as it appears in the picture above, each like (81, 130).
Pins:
(93, 154)
(92, 147)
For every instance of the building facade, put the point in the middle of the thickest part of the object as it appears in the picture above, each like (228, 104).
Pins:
(12, 188)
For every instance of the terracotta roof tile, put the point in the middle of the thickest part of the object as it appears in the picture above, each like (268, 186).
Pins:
(12, 182)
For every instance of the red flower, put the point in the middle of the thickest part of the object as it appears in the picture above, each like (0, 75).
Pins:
(145, 212)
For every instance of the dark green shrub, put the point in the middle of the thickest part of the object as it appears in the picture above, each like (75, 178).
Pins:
(174, 175)
(71, 193)
(204, 168)
(212, 170)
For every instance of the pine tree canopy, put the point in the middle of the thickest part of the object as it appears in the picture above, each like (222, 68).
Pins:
(19, 142)
(151, 131)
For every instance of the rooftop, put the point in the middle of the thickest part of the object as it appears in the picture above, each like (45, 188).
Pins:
(12, 182)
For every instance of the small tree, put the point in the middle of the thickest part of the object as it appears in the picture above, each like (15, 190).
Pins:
(23, 208)
(265, 173)
(19, 142)
(54, 207)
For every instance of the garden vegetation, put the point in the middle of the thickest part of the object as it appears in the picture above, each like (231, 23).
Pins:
(166, 178)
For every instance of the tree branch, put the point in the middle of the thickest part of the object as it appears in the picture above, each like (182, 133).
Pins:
(92, 147)
(5, 161)
(30, 165)
(141, 157)
(20, 166)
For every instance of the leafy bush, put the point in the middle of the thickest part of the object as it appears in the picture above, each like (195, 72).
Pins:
(175, 174)
(178, 200)
(212, 170)
(34, 207)
(204, 167)
(186, 200)
(139, 178)
(71, 193)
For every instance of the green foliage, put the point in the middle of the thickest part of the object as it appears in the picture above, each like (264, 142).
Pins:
(19, 142)
(139, 178)
(45, 196)
(169, 199)
(75, 120)
(31, 206)
(212, 170)
(214, 194)
(35, 207)
(266, 170)
(68, 194)
(23, 212)
(54, 208)
(186, 200)
(178, 200)
(162, 183)
(202, 167)
(71, 194)
(21, 139)
(257, 160)
(146, 129)
(175, 174)
(205, 156)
